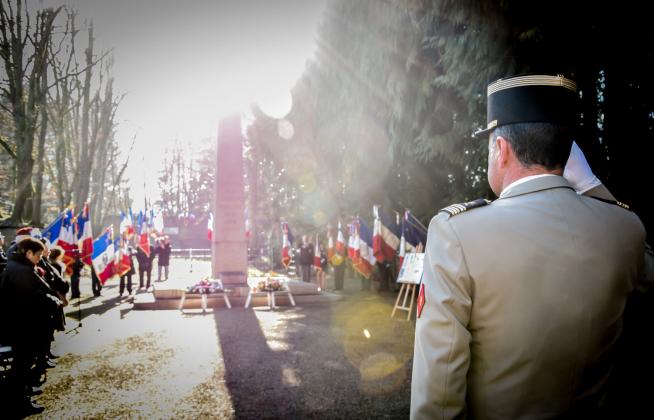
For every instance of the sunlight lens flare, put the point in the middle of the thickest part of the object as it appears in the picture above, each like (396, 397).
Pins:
(285, 129)
(275, 103)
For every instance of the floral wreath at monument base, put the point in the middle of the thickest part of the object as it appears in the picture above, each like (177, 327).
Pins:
(269, 285)
(206, 286)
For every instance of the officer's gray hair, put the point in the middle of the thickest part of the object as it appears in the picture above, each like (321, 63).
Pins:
(537, 143)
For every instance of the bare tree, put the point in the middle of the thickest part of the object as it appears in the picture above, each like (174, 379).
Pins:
(63, 107)
(24, 53)
(83, 173)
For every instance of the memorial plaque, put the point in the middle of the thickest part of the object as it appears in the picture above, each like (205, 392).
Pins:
(229, 243)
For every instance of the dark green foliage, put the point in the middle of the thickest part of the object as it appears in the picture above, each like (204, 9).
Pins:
(384, 113)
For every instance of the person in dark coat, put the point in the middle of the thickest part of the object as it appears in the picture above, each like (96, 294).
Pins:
(54, 277)
(163, 257)
(306, 259)
(145, 266)
(55, 260)
(59, 288)
(126, 279)
(26, 301)
(96, 285)
(75, 276)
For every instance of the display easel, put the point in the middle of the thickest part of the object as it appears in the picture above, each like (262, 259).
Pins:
(405, 290)
(410, 277)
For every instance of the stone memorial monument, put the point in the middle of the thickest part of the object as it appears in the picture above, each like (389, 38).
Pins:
(229, 260)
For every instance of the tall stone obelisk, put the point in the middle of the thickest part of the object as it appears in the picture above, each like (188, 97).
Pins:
(229, 260)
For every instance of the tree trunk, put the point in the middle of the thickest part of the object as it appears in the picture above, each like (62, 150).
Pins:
(38, 184)
(24, 166)
(85, 163)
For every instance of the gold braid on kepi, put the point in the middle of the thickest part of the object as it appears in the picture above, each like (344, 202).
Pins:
(531, 99)
(455, 209)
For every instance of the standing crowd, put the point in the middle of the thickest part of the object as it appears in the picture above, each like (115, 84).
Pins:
(162, 250)
(32, 297)
(33, 294)
(305, 257)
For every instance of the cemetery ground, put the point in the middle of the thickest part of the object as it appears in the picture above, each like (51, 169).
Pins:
(340, 359)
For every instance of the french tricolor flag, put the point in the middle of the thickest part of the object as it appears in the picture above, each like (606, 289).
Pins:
(340, 241)
(53, 230)
(366, 258)
(123, 262)
(210, 226)
(67, 239)
(85, 235)
(352, 243)
(142, 231)
(286, 244)
(330, 244)
(386, 236)
(414, 233)
(126, 228)
(104, 256)
(61, 233)
(316, 255)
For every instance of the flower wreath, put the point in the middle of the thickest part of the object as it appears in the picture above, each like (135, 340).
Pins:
(206, 286)
(269, 285)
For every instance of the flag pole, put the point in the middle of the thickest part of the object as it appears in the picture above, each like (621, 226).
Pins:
(79, 317)
(418, 222)
(79, 313)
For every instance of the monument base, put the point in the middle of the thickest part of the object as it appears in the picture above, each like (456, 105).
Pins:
(167, 295)
(236, 278)
(236, 282)
(238, 291)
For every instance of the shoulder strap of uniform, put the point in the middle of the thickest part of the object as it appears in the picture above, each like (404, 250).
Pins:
(614, 202)
(455, 209)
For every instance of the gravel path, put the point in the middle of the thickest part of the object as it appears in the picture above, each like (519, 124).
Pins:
(347, 359)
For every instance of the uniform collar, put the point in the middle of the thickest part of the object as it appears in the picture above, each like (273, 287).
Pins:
(533, 184)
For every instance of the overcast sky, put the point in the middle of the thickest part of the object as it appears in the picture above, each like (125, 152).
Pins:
(183, 64)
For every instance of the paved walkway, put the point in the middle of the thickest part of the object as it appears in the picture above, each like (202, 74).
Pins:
(346, 359)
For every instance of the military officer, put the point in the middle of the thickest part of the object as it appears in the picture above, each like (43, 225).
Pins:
(522, 299)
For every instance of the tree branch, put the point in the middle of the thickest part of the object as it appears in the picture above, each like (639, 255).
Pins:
(93, 63)
(7, 147)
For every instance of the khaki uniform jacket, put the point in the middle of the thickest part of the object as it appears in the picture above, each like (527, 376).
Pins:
(523, 304)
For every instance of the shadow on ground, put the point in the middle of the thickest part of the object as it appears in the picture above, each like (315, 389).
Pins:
(343, 360)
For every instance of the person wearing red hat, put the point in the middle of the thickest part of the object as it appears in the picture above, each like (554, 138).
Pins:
(23, 233)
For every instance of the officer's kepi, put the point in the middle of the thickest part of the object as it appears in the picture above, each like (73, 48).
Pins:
(531, 98)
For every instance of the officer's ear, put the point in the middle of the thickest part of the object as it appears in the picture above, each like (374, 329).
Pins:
(503, 151)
